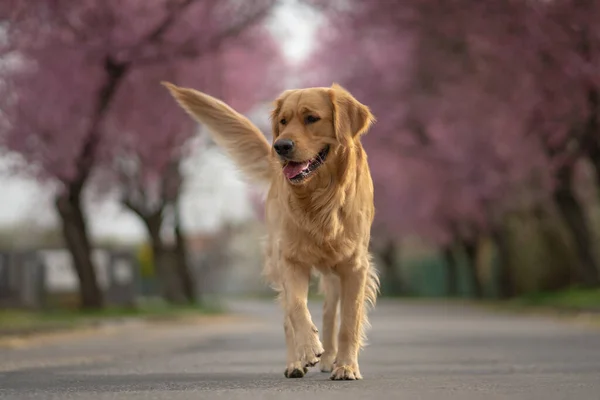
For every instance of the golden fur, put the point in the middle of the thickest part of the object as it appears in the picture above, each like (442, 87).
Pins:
(322, 222)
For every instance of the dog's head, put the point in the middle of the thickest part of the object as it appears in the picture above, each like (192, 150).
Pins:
(311, 125)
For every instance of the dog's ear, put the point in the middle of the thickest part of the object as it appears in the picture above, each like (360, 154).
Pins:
(276, 110)
(275, 116)
(349, 115)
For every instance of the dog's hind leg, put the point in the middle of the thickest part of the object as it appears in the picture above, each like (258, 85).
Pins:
(359, 285)
(330, 287)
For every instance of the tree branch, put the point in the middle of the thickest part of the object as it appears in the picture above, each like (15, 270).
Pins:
(188, 50)
(127, 202)
(156, 34)
(87, 157)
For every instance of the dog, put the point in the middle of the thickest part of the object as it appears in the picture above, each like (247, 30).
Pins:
(319, 212)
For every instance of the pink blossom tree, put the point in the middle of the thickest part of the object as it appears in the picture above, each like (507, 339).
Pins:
(71, 62)
(468, 106)
(151, 137)
(566, 67)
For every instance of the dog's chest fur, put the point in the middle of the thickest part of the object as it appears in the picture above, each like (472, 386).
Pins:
(321, 228)
(330, 238)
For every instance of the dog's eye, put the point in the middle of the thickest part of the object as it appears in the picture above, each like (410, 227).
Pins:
(311, 119)
(283, 121)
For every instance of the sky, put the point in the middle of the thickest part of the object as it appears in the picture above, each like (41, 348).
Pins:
(214, 191)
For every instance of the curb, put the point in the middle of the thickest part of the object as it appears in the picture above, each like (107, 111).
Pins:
(19, 338)
(56, 328)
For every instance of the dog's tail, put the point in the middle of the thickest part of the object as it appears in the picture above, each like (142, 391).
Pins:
(240, 138)
(372, 286)
(371, 293)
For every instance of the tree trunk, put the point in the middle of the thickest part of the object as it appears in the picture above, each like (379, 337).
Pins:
(506, 285)
(75, 233)
(594, 156)
(591, 142)
(186, 277)
(68, 204)
(574, 216)
(390, 260)
(470, 247)
(451, 271)
(164, 263)
(588, 273)
(592, 146)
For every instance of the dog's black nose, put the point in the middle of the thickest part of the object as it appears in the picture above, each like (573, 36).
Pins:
(284, 147)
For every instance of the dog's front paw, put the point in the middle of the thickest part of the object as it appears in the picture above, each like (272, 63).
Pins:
(310, 349)
(327, 362)
(295, 370)
(345, 373)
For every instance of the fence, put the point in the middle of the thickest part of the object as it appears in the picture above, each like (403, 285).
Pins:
(22, 277)
(38, 279)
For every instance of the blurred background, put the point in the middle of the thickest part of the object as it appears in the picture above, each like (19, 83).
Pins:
(485, 155)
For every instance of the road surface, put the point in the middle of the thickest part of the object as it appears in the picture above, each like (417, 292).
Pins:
(416, 351)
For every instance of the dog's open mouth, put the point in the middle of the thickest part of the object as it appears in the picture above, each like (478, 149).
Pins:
(298, 171)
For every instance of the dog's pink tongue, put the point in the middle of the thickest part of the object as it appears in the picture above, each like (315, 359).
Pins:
(294, 168)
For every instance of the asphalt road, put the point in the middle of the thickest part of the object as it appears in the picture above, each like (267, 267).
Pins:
(416, 351)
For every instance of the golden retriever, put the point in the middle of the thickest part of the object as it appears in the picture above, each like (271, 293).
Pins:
(319, 211)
